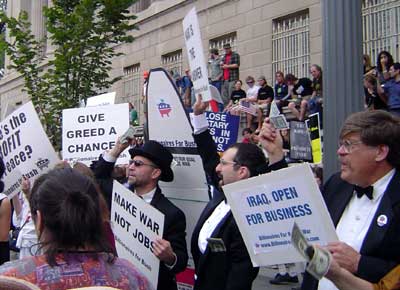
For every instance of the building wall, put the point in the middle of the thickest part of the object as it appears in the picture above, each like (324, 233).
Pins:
(161, 33)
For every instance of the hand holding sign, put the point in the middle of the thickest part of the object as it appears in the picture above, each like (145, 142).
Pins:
(163, 251)
(272, 142)
(199, 106)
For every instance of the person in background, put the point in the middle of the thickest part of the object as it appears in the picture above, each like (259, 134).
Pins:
(214, 65)
(373, 101)
(383, 63)
(230, 71)
(367, 65)
(391, 90)
(66, 211)
(133, 115)
(246, 133)
(237, 95)
(280, 90)
(5, 219)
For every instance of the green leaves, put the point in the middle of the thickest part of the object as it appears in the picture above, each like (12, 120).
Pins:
(84, 33)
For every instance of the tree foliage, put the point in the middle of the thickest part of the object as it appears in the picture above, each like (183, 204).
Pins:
(84, 34)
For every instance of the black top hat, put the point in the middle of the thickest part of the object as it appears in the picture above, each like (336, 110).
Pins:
(158, 154)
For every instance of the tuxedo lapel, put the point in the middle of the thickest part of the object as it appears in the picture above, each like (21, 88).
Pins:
(338, 200)
(386, 211)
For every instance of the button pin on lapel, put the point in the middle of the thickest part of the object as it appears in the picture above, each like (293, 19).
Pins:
(382, 220)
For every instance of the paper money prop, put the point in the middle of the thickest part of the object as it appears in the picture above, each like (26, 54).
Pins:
(319, 260)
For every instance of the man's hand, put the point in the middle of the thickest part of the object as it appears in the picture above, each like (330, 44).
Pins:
(271, 140)
(345, 256)
(164, 252)
(119, 148)
(199, 107)
(26, 187)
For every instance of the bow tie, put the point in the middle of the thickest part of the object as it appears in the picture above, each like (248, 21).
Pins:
(360, 191)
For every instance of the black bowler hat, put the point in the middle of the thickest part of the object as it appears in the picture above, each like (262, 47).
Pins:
(159, 155)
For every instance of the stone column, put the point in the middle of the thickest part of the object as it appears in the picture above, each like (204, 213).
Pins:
(342, 79)
(38, 21)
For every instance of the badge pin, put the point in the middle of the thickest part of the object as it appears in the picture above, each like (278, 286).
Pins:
(382, 220)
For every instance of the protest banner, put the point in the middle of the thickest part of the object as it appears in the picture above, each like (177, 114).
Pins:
(136, 224)
(101, 100)
(300, 147)
(169, 125)
(315, 136)
(195, 53)
(88, 132)
(24, 148)
(223, 128)
(265, 208)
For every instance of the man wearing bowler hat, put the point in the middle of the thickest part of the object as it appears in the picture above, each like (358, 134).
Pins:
(148, 165)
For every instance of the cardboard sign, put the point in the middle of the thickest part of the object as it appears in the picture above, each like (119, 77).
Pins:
(300, 147)
(223, 128)
(265, 208)
(88, 132)
(136, 225)
(24, 148)
(314, 129)
(195, 53)
(101, 100)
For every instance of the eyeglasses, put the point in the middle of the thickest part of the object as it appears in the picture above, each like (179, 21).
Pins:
(251, 82)
(225, 162)
(348, 145)
(139, 163)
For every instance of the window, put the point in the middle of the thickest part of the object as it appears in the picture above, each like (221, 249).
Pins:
(172, 61)
(381, 27)
(291, 44)
(131, 85)
(139, 6)
(219, 42)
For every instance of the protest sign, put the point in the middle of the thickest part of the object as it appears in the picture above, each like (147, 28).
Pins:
(223, 128)
(136, 224)
(195, 53)
(265, 208)
(24, 148)
(315, 136)
(300, 147)
(88, 132)
(101, 100)
(169, 125)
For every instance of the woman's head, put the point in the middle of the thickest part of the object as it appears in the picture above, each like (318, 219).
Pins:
(66, 211)
(384, 61)
(238, 85)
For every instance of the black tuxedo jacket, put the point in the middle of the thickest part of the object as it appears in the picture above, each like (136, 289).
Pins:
(232, 269)
(380, 251)
(174, 226)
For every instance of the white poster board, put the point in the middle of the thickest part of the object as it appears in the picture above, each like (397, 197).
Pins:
(265, 208)
(194, 48)
(101, 100)
(24, 147)
(88, 132)
(136, 225)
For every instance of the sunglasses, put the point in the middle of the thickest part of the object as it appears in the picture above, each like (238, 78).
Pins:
(139, 163)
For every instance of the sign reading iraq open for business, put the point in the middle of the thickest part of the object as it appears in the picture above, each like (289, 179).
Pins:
(136, 225)
(265, 208)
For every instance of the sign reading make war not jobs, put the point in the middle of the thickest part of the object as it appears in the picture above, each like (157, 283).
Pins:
(136, 225)
(265, 208)
(24, 147)
(88, 132)
(194, 47)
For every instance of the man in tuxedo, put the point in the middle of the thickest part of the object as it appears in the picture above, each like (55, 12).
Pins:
(219, 253)
(364, 198)
(148, 165)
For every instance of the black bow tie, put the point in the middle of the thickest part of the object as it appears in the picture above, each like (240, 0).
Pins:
(360, 191)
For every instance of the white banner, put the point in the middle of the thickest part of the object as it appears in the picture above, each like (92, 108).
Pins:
(101, 100)
(88, 132)
(194, 48)
(25, 148)
(136, 225)
(265, 208)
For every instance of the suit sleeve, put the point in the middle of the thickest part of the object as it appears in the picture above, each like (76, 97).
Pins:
(101, 168)
(242, 273)
(373, 269)
(176, 235)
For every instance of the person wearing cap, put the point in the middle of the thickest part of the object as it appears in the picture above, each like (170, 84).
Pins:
(5, 219)
(215, 71)
(230, 269)
(230, 72)
(149, 165)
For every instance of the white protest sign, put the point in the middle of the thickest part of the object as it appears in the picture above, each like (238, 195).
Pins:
(169, 125)
(25, 148)
(88, 132)
(136, 225)
(101, 100)
(195, 53)
(265, 208)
